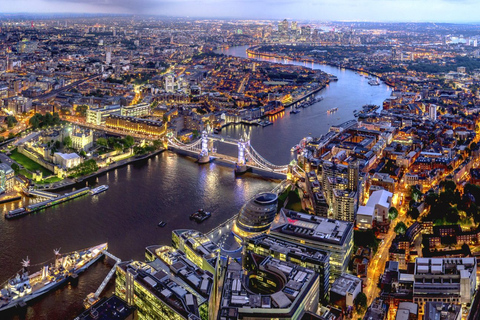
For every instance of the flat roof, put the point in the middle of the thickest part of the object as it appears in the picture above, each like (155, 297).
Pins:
(311, 227)
(106, 309)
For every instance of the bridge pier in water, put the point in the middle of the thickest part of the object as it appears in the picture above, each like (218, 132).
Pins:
(204, 156)
(241, 165)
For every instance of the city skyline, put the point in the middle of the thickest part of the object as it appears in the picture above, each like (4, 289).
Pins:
(456, 11)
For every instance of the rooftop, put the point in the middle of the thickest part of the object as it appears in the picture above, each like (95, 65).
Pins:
(310, 227)
(346, 283)
(288, 248)
(240, 294)
(164, 287)
(441, 311)
(67, 156)
(108, 309)
(381, 197)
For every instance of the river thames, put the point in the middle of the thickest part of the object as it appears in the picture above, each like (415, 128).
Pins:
(167, 187)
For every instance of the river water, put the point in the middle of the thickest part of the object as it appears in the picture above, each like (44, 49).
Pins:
(349, 93)
(167, 187)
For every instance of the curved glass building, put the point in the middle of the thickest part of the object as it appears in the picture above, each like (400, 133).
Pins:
(256, 215)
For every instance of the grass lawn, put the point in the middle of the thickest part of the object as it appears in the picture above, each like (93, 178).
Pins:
(29, 164)
(26, 173)
(50, 180)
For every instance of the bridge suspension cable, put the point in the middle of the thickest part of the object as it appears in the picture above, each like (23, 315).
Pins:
(196, 146)
(264, 163)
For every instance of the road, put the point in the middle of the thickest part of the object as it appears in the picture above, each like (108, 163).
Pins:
(53, 93)
(241, 88)
(377, 265)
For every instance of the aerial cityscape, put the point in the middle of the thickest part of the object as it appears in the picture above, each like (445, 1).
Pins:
(222, 160)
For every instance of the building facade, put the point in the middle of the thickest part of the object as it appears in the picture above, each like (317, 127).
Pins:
(136, 125)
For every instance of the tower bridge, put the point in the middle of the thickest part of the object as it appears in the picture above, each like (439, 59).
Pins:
(248, 157)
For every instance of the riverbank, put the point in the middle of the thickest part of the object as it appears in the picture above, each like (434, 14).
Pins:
(311, 60)
(80, 181)
(10, 199)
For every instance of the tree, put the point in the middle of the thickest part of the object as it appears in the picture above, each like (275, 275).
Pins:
(400, 228)
(415, 193)
(15, 167)
(102, 142)
(452, 215)
(392, 213)
(128, 141)
(360, 302)
(157, 144)
(11, 121)
(431, 198)
(35, 121)
(48, 119)
(111, 141)
(450, 185)
(413, 213)
(57, 144)
(82, 110)
(67, 142)
(117, 146)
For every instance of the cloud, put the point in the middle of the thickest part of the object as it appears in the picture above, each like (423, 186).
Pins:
(371, 10)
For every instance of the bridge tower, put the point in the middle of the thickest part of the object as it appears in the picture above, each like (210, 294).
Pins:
(241, 165)
(204, 157)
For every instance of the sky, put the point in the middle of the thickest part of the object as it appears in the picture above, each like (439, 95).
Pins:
(350, 10)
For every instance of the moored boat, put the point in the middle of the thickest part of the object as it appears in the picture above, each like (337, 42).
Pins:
(25, 286)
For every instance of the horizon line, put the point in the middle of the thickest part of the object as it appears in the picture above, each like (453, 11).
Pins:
(232, 18)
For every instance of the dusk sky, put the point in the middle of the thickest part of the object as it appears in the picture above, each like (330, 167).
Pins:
(359, 10)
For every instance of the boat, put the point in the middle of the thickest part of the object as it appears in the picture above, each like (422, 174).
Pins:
(374, 82)
(25, 286)
(16, 213)
(294, 111)
(265, 123)
(332, 110)
(200, 215)
(162, 224)
(99, 189)
(47, 203)
(295, 148)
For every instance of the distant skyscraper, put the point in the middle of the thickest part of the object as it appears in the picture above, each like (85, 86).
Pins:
(294, 26)
(108, 55)
(114, 32)
(283, 26)
(432, 112)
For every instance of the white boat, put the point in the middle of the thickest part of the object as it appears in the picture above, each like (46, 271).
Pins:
(99, 189)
